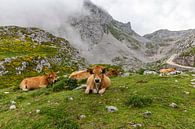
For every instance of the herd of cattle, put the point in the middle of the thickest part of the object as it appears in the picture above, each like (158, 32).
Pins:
(97, 78)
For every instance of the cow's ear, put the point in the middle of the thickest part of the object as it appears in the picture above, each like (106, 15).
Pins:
(90, 70)
(104, 70)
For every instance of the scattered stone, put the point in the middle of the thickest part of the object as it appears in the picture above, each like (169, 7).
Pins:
(125, 74)
(184, 110)
(147, 72)
(135, 125)
(12, 107)
(186, 92)
(82, 117)
(6, 92)
(193, 75)
(13, 103)
(193, 83)
(70, 98)
(176, 81)
(111, 108)
(38, 111)
(193, 80)
(147, 114)
(173, 105)
(193, 86)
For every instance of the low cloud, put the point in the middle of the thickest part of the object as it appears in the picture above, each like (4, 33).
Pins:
(147, 16)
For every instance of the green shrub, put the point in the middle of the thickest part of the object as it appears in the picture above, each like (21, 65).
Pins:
(65, 83)
(138, 101)
(59, 85)
(141, 71)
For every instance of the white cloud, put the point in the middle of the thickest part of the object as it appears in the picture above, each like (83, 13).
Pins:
(147, 16)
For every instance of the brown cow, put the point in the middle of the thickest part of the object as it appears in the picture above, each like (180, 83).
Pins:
(98, 82)
(166, 71)
(38, 82)
(80, 75)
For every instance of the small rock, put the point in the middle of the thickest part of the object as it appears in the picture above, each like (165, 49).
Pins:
(6, 92)
(111, 108)
(82, 116)
(148, 72)
(193, 80)
(193, 75)
(193, 86)
(135, 125)
(70, 98)
(184, 110)
(147, 113)
(186, 92)
(125, 74)
(176, 81)
(12, 107)
(38, 111)
(173, 105)
(193, 83)
(28, 103)
(13, 103)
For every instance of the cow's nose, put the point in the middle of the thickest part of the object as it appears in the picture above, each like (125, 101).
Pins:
(97, 80)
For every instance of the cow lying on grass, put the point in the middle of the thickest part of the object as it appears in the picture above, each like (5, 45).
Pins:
(80, 75)
(166, 71)
(38, 82)
(98, 82)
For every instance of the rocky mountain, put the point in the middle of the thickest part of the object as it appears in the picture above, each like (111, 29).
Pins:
(95, 37)
(106, 40)
(173, 42)
(24, 50)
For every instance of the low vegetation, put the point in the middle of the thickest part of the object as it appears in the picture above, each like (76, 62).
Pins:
(132, 95)
(61, 107)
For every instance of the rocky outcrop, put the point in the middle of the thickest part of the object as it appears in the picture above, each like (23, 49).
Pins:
(106, 40)
(64, 53)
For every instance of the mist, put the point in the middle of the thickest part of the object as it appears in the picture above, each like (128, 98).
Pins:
(45, 14)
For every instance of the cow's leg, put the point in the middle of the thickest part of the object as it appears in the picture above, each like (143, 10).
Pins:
(102, 91)
(87, 90)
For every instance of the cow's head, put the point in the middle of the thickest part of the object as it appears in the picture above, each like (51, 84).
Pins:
(98, 72)
(52, 77)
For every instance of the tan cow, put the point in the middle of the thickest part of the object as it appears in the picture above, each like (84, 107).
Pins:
(98, 82)
(166, 71)
(80, 75)
(38, 82)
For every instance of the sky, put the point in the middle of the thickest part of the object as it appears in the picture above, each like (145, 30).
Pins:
(146, 16)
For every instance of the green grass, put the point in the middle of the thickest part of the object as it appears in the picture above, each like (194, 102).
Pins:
(11, 47)
(190, 52)
(57, 111)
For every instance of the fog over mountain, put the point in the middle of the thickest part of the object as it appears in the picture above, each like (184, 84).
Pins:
(146, 16)
(47, 14)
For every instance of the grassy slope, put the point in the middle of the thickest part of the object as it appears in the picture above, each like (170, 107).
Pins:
(57, 111)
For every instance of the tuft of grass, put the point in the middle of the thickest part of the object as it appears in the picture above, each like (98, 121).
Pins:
(138, 101)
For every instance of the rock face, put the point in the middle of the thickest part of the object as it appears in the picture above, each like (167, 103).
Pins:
(106, 40)
(172, 42)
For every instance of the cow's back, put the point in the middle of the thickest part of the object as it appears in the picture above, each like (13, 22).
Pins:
(34, 82)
